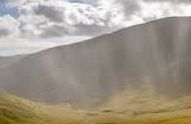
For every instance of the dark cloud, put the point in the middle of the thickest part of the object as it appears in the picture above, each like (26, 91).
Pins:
(4, 32)
(58, 18)
(130, 6)
(50, 12)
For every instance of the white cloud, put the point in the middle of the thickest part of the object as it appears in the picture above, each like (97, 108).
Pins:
(9, 26)
(61, 18)
(53, 22)
(157, 10)
(172, 1)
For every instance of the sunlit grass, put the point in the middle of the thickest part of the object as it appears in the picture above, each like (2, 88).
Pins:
(14, 110)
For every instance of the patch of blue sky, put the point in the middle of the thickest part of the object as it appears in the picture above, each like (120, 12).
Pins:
(5, 9)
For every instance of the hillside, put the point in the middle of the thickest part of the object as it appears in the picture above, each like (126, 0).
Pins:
(88, 73)
(7, 61)
(14, 110)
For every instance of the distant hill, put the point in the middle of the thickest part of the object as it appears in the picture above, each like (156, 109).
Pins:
(88, 73)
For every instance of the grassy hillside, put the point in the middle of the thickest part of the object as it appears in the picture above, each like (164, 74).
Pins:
(14, 110)
(141, 108)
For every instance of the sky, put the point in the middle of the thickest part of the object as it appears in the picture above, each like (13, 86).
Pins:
(31, 25)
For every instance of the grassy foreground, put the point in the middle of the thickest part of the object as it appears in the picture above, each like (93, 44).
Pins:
(14, 110)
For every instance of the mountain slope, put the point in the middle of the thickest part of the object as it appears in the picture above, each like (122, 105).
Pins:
(88, 73)
(14, 110)
(7, 61)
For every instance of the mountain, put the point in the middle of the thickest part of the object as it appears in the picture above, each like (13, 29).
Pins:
(7, 61)
(155, 55)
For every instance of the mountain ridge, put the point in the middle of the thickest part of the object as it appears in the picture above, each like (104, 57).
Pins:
(105, 65)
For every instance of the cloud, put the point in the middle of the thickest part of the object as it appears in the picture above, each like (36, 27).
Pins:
(157, 10)
(60, 21)
(129, 6)
(61, 18)
(172, 1)
(8, 26)
(53, 13)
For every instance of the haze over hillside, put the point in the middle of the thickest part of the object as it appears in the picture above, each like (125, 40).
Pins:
(155, 55)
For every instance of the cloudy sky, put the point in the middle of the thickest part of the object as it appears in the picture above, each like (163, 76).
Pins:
(30, 25)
